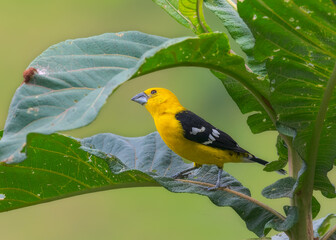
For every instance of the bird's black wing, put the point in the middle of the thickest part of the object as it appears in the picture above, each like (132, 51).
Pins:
(198, 130)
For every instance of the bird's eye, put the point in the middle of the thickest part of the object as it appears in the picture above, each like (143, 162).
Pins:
(153, 91)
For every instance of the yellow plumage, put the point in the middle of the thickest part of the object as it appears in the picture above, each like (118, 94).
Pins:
(190, 136)
(163, 106)
(171, 132)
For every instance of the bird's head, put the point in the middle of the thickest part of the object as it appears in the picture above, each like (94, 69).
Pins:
(158, 101)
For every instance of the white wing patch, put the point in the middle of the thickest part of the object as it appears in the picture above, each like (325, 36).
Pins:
(207, 142)
(215, 133)
(195, 130)
(212, 136)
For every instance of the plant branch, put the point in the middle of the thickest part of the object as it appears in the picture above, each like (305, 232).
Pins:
(329, 233)
(241, 195)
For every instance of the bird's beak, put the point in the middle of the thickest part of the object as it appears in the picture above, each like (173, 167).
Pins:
(141, 98)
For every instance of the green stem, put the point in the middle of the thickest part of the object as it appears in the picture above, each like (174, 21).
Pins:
(199, 10)
(304, 228)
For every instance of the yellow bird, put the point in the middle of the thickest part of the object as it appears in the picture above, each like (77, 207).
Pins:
(190, 136)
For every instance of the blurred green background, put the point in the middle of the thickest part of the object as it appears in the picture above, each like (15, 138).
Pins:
(27, 29)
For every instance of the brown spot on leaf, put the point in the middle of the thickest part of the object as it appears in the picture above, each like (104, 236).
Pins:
(28, 73)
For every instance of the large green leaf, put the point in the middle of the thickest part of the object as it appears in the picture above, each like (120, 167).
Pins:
(72, 82)
(299, 40)
(75, 77)
(59, 167)
(189, 13)
(56, 168)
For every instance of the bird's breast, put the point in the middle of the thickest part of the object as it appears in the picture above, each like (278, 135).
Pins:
(172, 133)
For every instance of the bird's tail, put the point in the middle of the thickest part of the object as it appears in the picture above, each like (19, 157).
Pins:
(263, 162)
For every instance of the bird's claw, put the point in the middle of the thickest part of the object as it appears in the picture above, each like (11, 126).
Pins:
(213, 188)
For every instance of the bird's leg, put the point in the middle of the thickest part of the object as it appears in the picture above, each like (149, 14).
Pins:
(184, 172)
(218, 183)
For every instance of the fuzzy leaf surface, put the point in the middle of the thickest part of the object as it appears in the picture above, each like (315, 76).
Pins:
(72, 83)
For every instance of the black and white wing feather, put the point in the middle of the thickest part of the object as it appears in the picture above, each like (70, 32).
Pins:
(198, 130)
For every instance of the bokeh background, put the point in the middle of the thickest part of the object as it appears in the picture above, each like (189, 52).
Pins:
(29, 27)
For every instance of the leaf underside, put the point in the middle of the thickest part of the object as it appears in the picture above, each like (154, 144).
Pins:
(72, 82)
(59, 166)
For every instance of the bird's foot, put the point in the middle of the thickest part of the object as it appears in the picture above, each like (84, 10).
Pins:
(217, 186)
